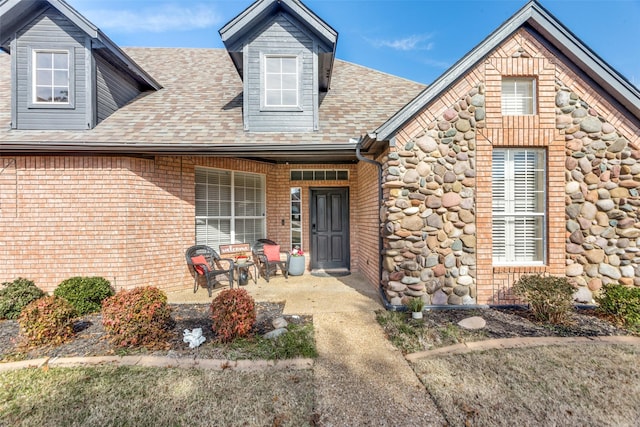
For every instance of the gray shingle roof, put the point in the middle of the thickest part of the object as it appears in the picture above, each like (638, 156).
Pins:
(200, 107)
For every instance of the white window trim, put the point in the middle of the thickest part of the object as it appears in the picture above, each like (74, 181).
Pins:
(233, 217)
(533, 97)
(299, 215)
(33, 103)
(509, 170)
(263, 83)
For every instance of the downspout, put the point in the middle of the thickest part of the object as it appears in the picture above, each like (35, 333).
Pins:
(383, 297)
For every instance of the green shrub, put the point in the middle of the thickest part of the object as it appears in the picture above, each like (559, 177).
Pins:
(550, 298)
(85, 293)
(233, 313)
(139, 317)
(48, 320)
(16, 295)
(622, 302)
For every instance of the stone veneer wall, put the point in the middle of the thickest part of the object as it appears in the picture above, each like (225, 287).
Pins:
(428, 219)
(602, 198)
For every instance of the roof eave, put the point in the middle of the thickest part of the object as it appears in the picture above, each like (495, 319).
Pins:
(273, 152)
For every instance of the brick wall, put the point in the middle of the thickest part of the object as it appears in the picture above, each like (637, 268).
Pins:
(519, 131)
(127, 219)
(117, 217)
(367, 208)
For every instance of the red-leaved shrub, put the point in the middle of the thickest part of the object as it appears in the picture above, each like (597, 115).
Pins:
(139, 317)
(233, 313)
(46, 321)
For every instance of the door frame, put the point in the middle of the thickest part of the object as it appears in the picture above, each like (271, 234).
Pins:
(346, 217)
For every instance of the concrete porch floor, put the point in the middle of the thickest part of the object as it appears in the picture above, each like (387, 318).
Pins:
(304, 294)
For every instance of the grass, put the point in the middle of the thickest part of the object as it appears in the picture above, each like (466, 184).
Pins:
(573, 385)
(298, 341)
(411, 336)
(133, 396)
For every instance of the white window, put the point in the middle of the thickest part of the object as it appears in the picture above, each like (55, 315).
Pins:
(519, 196)
(51, 73)
(296, 217)
(281, 81)
(518, 96)
(230, 207)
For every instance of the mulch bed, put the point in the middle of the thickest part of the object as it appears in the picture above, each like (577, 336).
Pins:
(517, 322)
(501, 323)
(91, 340)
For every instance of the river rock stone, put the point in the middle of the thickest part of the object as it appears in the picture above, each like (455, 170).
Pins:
(397, 286)
(605, 205)
(583, 295)
(412, 223)
(594, 256)
(279, 322)
(574, 270)
(572, 187)
(427, 144)
(588, 210)
(609, 271)
(432, 285)
(450, 199)
(591, 125)
(439, 298)
(434, 220)
(275, 333)
(619, 145)
(472, 323)
(562, 99)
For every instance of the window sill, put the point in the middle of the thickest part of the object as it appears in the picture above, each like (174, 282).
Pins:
(33, 106)
(281, 109)
(537, 268)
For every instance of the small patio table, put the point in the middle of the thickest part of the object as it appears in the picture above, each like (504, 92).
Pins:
(245, 267)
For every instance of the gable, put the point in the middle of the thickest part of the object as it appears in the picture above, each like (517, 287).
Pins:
(50, 31)
(550, 33)
(15, 14)
(240, 29)
(280, 36)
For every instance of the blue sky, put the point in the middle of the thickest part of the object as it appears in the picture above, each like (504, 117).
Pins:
(414, 39)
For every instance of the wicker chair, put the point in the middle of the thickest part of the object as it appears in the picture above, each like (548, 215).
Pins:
(205, 262)
(268, 265)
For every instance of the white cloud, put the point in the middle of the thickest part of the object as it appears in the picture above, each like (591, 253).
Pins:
(159, 19)
(413, 42)
(435, 63)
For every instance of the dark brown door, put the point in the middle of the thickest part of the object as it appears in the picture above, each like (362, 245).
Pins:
(330, 228)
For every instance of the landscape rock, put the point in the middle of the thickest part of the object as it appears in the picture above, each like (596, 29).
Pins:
(473, 323)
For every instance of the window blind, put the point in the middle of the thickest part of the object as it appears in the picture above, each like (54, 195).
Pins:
(519, 194)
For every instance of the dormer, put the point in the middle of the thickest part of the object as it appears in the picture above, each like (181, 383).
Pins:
(65, 73)
(284, 54)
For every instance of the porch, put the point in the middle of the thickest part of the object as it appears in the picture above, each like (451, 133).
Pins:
(302, 295)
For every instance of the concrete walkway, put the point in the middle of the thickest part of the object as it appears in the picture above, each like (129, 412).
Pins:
(360, 378)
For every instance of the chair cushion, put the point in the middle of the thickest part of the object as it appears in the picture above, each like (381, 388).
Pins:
(272, 252)
(200, 259)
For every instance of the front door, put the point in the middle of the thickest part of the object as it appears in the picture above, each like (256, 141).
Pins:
(329, 228)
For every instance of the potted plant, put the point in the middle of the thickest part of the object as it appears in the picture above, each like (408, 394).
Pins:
(296, 262)
(415, 305)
